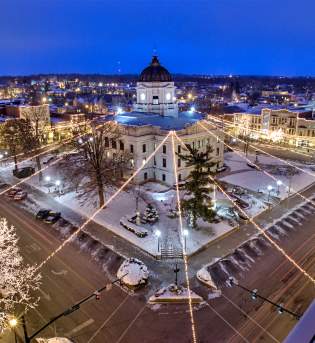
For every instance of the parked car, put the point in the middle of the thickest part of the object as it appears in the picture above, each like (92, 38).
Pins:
(42, 214)
(21, 195)
(23, 172)
(252, 165)
(221, 169)
(11, 192)
(52, 217)
(50, 159)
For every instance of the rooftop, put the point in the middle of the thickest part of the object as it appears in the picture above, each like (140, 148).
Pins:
(183, 120)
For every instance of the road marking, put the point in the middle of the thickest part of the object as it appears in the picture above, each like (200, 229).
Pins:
(45, 295)
(80, 327)
(62, 272)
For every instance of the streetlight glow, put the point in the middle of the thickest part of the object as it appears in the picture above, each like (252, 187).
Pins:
(157, 233)
(269, 188)
(13, 322)
(58, 182)
(47, 178)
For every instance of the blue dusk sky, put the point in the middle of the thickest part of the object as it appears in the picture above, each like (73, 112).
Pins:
(267, 37)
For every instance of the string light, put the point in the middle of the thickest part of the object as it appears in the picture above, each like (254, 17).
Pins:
(234, 126)
(111, 198)
(230, 124)
(182, 233)
(282, 251)
(278, 182)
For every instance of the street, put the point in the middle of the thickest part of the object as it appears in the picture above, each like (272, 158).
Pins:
(71, 275)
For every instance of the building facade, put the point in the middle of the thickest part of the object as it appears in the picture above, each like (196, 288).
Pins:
(155, 115)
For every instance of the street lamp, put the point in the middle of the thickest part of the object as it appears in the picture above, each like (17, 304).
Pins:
(279, 183)
(47, 178)
(269, 188)
(185, 233)
(13, 323)
(158, 234)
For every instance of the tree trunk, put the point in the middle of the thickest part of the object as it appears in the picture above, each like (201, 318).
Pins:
(15, 163)
(40, 174)
(100, 191)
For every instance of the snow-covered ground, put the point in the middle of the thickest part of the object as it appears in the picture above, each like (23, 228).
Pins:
(164, 199)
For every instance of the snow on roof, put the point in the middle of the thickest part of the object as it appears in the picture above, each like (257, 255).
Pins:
(154, 119)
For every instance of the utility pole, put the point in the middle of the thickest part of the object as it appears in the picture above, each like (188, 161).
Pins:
(254, 295)
(73, 308)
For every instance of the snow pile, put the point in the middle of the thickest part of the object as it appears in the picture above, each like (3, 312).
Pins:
(175, 293)
(54, 340)
(133, 272)
(204, 276)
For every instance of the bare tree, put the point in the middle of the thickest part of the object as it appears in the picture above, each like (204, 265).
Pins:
(11, 137)
(100, 162)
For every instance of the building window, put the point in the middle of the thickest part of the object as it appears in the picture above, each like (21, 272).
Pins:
(179, 177)
(144, 161)
(179, 149)
(144, 148)
(198, 144)
(145, 175)
(114, 144)
(154, 161)
(155, 100)
(164, 162)
(121, 145)
(193, 145)
(164, 149)
(218, 151)
(132, 162)
(142, 96)
(163, 177)
(179, 163)
(131, 148)
(106, 142)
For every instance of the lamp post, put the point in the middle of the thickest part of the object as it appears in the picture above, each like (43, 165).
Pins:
(158, 234)
(185, 233)
(279, 183)
(269, 191)
(58, 183)
(13, 323)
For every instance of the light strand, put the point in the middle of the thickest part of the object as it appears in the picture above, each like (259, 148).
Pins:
(267, 153)
(256, 165)
(194, 337)
(112, 197)
(282, 251)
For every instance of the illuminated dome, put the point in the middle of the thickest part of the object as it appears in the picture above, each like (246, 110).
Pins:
(155, 73)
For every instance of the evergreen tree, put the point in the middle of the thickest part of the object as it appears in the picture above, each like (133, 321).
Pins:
(198, 202)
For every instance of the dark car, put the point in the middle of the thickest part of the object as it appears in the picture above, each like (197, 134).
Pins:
(52, 217)
(23, 172)
(42, 214)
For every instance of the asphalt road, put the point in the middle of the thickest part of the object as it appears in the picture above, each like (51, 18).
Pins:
(120, 317)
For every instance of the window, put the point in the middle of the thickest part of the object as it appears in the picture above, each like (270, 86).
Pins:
(145, 176)
(163, 177)
(193, 145)
(198, 144)
(168, 96)
(114, 145)
(154, 161)
(218, 151)
(142, 96)
(121, 145)
(179, 149)
(179, 163)
(155, 100)
(164, 162)
(132, 162)
(131, 148)
(179, 177)
(144, 148)
(164, 149)
(144, 161)
(106, 142)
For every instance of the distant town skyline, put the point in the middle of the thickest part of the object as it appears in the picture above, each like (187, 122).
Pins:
(220, 37)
